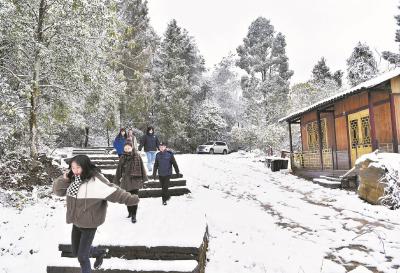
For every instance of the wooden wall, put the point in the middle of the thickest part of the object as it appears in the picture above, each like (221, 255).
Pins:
(351, 104)
(341, 134)
(383, 124)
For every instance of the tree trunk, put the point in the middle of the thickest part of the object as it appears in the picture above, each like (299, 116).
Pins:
(108, 138)
(86, 137)
(35, 91)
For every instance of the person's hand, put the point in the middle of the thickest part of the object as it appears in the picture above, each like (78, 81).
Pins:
(65, 175)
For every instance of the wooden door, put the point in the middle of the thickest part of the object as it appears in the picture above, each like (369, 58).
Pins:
(360, 134)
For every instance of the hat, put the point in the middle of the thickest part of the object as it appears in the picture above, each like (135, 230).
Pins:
(162, 143)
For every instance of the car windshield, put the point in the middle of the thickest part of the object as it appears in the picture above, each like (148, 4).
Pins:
(209, 143)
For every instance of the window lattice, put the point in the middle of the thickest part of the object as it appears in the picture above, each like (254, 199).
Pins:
(312, 135)
(354, 135)
(366, 131)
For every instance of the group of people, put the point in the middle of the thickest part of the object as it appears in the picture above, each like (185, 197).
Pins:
(87, 190)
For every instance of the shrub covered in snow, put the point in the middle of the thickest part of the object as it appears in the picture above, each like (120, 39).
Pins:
(391, 198)
(18, 171)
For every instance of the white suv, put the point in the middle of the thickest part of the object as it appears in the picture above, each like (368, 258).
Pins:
(213, 147)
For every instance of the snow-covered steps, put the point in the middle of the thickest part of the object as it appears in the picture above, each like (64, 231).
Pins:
(116, 265)
(328, 183)
(166, 239)
(172, 183)
(88, 151)
(156, 192)
(107, 161)
(143, 252)
(103, 157)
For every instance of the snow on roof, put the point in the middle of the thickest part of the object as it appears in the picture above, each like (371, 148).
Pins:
(364, 85)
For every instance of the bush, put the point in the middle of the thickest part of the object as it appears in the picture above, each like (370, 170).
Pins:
(19, 172)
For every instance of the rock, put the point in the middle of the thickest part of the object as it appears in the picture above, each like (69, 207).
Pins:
(371, 188)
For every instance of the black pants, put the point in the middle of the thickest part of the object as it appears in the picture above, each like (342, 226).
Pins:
(164, 180)
(133, 209)
(81, 241)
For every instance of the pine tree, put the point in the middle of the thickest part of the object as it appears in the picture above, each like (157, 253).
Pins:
(263, 54)
(361, 65)
(322, 75)
(321, 72)
(136, 44)
(178, 67)
(394, 58)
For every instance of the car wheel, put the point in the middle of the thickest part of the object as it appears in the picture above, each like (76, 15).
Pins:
(224, 152)
(211, 151)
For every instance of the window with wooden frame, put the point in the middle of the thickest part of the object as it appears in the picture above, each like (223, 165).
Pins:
(312, 135)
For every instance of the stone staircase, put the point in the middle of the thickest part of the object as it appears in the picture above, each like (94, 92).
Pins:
(341, 182)
(139, 259)
(163, 258)
(108, 163)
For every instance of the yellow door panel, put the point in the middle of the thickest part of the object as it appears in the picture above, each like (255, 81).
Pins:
(360, 134)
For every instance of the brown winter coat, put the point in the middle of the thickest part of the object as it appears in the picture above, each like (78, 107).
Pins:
(89, 207)
(131, 173)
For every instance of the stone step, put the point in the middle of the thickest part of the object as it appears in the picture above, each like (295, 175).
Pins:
(103, 157)
(331, 178)
(89, 151)
(327, 183)
(108, 166)
(106, 162)
(116, 265)
(172, 183)
(143, 252)
(156, 192)
(109, 174)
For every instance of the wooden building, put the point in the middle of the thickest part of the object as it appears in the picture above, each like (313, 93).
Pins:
(338, 130)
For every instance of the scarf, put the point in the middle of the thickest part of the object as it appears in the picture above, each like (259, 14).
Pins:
(74, 187)
(137, 165)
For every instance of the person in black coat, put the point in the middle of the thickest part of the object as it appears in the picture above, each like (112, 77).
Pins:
(163, 164)
(150, 143)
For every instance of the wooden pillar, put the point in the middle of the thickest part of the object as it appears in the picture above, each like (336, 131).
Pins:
(301, 138)
(372, 122)
(348, 140)
(291, 145)
(320, 139)
(335, 144)
(394, 124)
(290, 137)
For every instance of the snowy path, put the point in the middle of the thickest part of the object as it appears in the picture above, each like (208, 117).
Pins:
(273, 222)
(258, 222)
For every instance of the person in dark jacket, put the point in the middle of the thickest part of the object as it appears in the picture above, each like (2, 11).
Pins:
(150, 143)
(87, 192)
(163, 164)
(120, 141)
(131, 175)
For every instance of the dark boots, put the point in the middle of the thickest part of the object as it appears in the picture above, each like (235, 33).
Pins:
(100, 257)
(132, 213)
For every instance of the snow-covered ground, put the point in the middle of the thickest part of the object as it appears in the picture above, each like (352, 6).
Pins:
(258, 221)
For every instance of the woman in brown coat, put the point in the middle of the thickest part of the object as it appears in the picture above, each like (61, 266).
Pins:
(131, 175)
